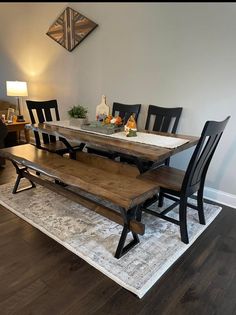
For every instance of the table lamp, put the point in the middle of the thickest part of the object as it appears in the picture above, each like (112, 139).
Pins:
(17, 89)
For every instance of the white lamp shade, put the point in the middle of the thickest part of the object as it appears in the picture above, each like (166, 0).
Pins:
(16, 88)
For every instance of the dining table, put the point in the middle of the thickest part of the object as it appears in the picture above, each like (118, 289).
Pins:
(149, 146)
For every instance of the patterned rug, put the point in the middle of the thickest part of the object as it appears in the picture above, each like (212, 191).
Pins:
(95, 238)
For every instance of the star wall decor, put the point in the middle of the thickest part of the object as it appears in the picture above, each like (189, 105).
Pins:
(71, 28)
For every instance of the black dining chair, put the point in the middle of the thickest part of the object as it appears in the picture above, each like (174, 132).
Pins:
(166, 119)
(42, 111)
(162, 119)
(124, 111)
(178, 185)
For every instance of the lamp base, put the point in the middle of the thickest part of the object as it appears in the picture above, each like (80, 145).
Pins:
(20, 118)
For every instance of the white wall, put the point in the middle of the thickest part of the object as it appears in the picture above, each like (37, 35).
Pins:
(168, 54)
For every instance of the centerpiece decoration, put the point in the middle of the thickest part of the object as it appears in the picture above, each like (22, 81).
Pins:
(115, 121)
(78, 115)
(104, 123)
(102, 110)
(131, 127)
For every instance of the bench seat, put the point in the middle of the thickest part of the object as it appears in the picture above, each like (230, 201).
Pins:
(93, 180)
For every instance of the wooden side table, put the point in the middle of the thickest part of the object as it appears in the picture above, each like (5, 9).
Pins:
(18, 127)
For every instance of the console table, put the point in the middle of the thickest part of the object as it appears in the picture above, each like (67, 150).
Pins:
(18, 127)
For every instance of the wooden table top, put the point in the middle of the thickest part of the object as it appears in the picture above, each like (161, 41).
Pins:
(139, 150)
(16, 126)
(17, 123)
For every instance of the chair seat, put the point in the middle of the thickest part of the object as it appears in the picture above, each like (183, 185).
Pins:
(167, 177)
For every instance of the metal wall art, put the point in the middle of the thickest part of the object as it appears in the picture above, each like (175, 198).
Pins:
(71, 28)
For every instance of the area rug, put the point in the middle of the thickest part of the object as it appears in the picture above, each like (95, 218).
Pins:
(95, 238)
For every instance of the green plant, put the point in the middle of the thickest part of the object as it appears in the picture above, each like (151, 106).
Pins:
(78, 111)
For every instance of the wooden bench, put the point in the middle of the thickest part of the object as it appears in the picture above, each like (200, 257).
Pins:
(93, 180)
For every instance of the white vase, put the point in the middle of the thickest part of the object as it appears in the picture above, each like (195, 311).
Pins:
(78, 122)
(102, 110)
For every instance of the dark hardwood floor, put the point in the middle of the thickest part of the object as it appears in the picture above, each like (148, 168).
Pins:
(39, 276)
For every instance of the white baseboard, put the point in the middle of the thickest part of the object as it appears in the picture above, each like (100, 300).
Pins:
(220, 196)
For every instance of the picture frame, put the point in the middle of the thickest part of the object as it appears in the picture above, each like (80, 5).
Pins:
(10, 114)
(71, 28)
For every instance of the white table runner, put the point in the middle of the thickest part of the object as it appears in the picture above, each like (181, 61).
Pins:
(142, 137)
(152, 139)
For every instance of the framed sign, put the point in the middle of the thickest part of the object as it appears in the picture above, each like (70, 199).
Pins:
(10, 114)
(71, 28)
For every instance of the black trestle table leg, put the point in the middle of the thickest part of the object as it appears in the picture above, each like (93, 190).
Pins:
(121, 249)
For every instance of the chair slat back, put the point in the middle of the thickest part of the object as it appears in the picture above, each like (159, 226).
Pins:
(202, 155)
(43, 111)
(125, 111)
(163, 118)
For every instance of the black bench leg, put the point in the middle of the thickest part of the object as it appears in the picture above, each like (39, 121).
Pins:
(18, 179)
(15, 188)
(121, 249)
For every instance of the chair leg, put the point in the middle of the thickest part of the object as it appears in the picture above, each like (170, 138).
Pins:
(200, 206)
(73, 155)
(167, 162)
(139, 214)
(160, 200)
(183, 219)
